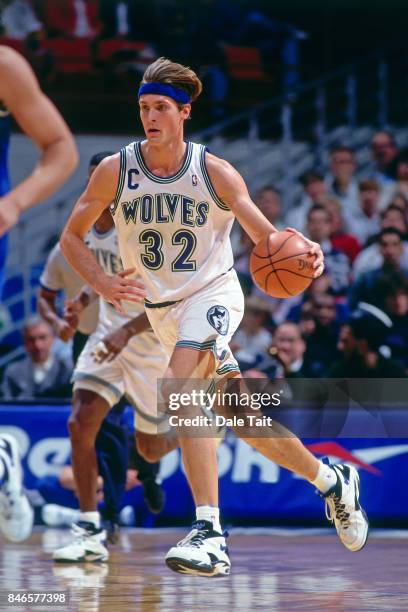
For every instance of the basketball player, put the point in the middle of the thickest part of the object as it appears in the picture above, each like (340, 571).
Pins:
(103, 374)
(21, 97)
(174, 205)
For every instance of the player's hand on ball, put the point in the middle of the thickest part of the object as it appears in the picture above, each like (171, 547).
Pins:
(315, 249)
(116, 288)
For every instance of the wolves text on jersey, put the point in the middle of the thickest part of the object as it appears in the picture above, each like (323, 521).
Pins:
(166, 208)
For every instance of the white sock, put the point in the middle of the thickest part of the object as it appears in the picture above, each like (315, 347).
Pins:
(211, 514)
(326, 478)
(91, 517)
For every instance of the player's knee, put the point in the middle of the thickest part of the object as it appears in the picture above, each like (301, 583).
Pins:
(81, 428)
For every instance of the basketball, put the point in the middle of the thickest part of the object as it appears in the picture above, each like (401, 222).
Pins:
(280, 264)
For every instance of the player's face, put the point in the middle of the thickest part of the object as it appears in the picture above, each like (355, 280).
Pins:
(162, 118)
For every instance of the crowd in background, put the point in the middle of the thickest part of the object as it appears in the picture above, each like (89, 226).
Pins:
(194, 33)
(352, 321)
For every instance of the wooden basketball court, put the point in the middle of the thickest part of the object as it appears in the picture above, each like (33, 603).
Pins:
(272, 570)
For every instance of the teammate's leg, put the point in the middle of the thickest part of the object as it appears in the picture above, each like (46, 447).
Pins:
(89, 410)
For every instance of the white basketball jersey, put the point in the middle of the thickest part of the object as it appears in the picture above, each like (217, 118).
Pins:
(105, 249)
(173, 230)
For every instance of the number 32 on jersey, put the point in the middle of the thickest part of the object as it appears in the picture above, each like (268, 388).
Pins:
(153, 257)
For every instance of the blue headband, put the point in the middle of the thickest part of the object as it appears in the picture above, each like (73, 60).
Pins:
(162, 89)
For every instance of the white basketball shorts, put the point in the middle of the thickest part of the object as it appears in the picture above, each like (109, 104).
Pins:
(206, 320)
(133, 373)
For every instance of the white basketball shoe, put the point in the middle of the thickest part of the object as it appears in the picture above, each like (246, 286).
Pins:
(343, 508)
(89, 544)
(203, 552)
(16, 514)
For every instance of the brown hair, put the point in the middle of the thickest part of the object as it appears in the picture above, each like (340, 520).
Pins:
(368, 185)
(330, 202)
(165, 71)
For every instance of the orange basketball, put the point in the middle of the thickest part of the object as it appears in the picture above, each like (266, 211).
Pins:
(280, 264)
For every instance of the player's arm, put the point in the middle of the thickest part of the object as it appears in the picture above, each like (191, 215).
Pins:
(51, 282)
(40, 120)
(74, 308)
(230, 187)
(47, 309)
(100, 192)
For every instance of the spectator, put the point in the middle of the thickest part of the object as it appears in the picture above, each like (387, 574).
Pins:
(41, 60)
(269, 203)
(360, 341)
(399, 167)
(322, 342)
(121, 18)
(371, 257)
(336, 263)
(400, 200)
(41, 374)
(215, 22)
(384, 150)
(394, 290)
(18, 19)
(365, 222)
(251, 342)
(177, 32)
(339, 238)
(278, 41)
(301, 306)
(393, 216)
(365, 288)
(288, 353)
(341, 181)
(315, 191)
(73, 18)
(307, 323)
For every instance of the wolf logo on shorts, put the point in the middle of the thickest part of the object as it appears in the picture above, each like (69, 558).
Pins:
(218, 318)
